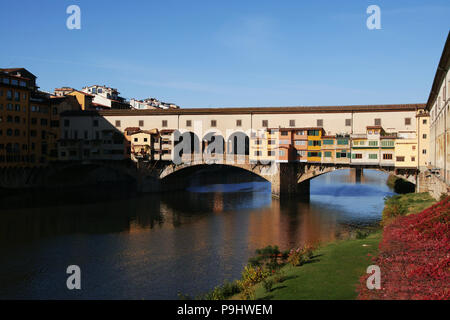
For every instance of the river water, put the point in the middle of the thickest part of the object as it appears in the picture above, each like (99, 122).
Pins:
(156, 245)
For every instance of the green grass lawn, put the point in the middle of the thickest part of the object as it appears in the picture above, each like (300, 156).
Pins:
(333, 273)
(416, 202)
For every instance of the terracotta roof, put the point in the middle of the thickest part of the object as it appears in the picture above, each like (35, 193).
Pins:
(266, 110)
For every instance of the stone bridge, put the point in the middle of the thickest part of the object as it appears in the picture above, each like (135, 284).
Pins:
(291, 178)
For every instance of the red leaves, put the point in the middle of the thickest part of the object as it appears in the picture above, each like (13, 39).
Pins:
(414, 257)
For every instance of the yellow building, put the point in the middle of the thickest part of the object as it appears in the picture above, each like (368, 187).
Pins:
(423, 138)
(263, 146)
(314, 144)
(406, 153)
(84, 99)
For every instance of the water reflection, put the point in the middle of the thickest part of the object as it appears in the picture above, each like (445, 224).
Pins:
(153, 246)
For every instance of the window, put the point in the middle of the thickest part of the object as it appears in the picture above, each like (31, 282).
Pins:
(413, 147)
(357, 156)
(9, 94)
(300, 142)
(270, 153)
(292, 123)
(373, 156)
(282, 153)
(387, 143)
(257, 153)
(284, 133)
(271, 142)
(135, 139)
(188, 123)
(141, 123)
(424, 151)
(424, 136)
(342, 141)
(238, 123)
(407, 121)
(213, 123)
(348, 122)
(17, 96)
(301, 153)
(424, 121)
(163, 123)
(400, 159)
(300, 133)
(95, 123)
(328, 142)
(327, 154)
(118, 123)
(320, 122)
(314, 154)
(373, 143)
(314, 143)
(377, 122)
(413, 159)
(265, 123)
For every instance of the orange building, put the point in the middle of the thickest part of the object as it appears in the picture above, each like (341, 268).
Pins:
(16, 86)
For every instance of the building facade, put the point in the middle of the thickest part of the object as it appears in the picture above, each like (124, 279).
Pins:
(438, 106)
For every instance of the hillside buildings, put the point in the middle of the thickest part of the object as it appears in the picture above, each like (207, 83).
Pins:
(151, 103)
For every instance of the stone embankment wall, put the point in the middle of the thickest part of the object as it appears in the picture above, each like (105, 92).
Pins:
(430, 182)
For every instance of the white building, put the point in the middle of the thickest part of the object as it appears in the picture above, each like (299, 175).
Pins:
(105, 97)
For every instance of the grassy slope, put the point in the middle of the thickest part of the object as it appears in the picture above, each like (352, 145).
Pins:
(416, 202)
(337, 267)
(334, 273)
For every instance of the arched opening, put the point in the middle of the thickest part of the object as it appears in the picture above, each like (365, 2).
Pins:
(238, 143)
(212, 174)
(213, 144)
(186, 143)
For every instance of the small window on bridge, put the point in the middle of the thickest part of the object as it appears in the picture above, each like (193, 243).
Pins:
(213, 123)
(292, 123)
(407, 121)
(117, 123)
(265, 123)
(163, 124)
(238, 123)
(377, 122)
(188, 123)
(320, 122)
(348, 122)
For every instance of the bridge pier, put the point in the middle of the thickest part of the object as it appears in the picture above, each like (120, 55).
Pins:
(356, 174)
(285, 182)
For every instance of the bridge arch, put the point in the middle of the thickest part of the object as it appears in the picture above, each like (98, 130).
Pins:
(190, 139)
(213, 143)
(238, 143)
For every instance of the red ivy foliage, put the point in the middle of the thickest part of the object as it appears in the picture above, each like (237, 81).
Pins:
(414, 257)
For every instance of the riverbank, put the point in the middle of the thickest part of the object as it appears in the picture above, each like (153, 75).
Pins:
(334, 271)
(331, 274)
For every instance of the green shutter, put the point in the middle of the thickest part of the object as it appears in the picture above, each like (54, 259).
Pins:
(338, 154)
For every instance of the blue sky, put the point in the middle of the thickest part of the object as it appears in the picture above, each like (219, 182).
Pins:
(231, 53)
